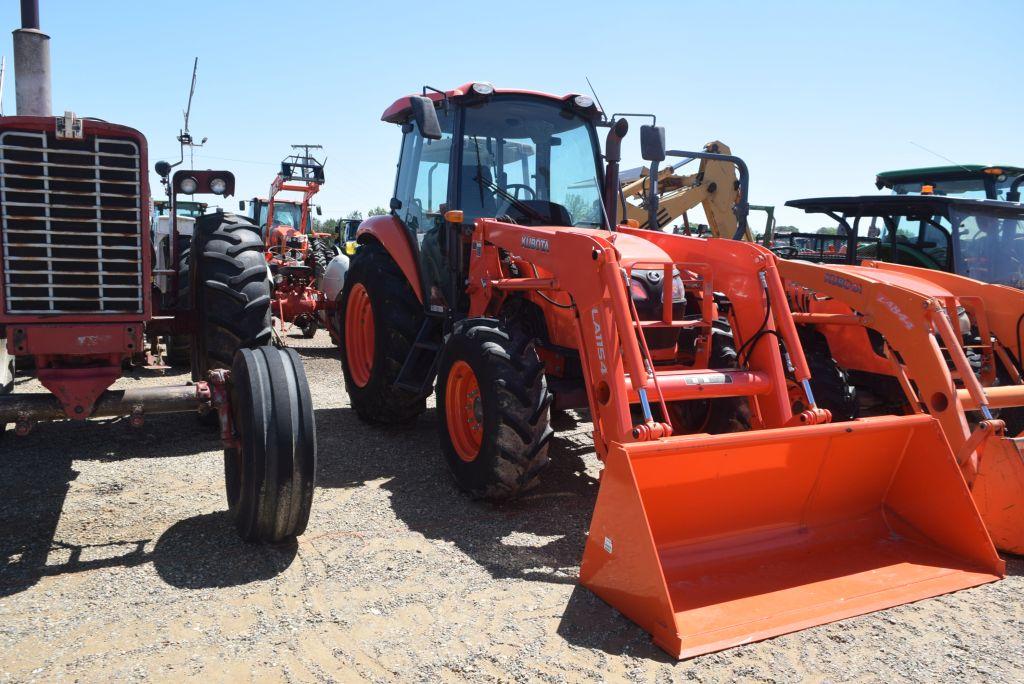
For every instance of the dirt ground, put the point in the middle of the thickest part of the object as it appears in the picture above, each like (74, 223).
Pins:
(119, 563)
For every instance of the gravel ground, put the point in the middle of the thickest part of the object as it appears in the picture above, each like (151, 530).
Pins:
(119, 563)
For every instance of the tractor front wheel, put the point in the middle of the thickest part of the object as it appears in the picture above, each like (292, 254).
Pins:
(269, 476)
(493, 402)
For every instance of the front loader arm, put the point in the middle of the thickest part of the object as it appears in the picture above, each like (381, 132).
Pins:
(912, 325)
(586, 267)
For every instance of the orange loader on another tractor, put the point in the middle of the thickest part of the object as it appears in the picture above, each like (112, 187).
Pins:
(890, 338)
(730, 508)
(297, 256)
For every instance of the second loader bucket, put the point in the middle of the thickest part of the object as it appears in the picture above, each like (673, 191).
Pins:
(709, 541)
(999, 492)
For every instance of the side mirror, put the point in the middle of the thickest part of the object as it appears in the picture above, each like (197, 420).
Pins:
(395, 204)
(241, 205)
(652, 143)
(319, 210)
(425, 115)
(162, 169)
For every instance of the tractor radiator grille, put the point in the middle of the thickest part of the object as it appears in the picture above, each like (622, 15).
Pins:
(71, 224)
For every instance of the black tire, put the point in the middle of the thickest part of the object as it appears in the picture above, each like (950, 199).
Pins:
(232, 291)
(714, 416)
(830, 383)
(309, 327)
(270, 477)
(514, 409)
(397, 317)
(321, 253)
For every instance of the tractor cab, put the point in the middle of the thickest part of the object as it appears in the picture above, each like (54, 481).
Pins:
(525, 158)
(980, 239)
(287, 214)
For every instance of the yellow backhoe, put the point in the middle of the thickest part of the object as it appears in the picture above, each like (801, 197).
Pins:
(715, 187)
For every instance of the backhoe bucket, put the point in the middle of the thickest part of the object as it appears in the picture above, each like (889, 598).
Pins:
(998, 492)
(709, 542)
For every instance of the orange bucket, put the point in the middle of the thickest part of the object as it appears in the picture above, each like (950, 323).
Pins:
(998, 491)
(709, 542)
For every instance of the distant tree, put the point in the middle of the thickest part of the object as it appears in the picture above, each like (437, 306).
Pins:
(356, 215)
(828, 230)
(577, 207)
(378, 211)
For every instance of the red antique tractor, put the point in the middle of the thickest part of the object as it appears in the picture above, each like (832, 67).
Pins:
(77, 299)
(730, 508)
(297, 256)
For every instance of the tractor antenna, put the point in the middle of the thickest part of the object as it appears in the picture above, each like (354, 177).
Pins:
(940, 156)
(184, 136)
(3, 71)
(594, 93)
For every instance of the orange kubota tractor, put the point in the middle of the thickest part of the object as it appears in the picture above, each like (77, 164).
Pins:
(502, 282)
(297, 256)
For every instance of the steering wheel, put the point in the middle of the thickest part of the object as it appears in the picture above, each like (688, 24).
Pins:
(517, 186)
(786, 251)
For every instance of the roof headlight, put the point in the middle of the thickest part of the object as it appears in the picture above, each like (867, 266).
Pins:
(583, 102)
(218, 186)
(483, 88)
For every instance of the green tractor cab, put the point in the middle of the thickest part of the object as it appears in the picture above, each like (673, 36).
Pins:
(980, 239)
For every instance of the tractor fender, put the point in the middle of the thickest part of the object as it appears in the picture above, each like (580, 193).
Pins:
(393, 236)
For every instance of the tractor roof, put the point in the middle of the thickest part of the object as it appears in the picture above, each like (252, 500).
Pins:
(399, 111)
(888, 179)
(900, 204)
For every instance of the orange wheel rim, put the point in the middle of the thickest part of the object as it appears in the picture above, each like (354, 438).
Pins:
(359, 335)
(464, 410)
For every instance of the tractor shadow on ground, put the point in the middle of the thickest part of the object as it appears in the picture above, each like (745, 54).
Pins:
(36, 474)
(204, 552)
(538, 537)
(319, 352)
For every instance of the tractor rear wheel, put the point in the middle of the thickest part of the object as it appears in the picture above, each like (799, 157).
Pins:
(269, 476)
(493, 401)
(379, 316)
(231, 291)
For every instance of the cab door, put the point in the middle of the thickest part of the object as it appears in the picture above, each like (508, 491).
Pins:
(421, 198)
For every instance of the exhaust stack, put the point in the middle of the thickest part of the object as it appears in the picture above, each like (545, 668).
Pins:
(32, 64)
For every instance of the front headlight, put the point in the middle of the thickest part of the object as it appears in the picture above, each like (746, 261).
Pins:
(188, 185)
(218, 186)
(678, 289)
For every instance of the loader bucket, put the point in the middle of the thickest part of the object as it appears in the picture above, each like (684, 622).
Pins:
(709, 542)
(998, 492)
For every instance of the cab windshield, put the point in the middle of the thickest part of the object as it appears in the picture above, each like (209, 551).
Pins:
(991, 243)
(530, 162)
(285, 214)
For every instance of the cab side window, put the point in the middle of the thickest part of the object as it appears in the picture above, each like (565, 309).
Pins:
(423, 173)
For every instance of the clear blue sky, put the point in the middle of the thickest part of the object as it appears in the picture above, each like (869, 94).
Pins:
(816, 96)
